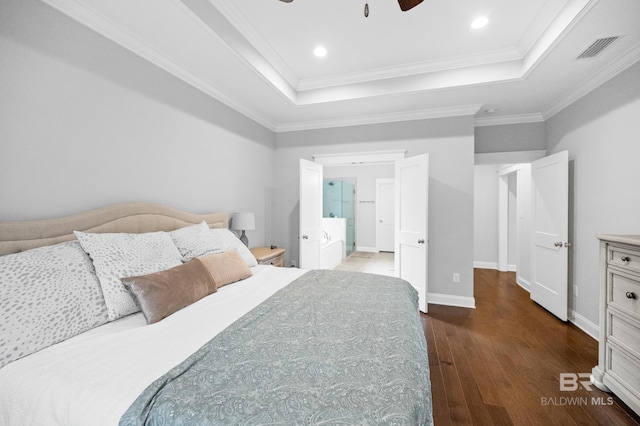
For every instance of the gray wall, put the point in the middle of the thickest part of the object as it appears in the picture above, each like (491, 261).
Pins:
(510, 137)
(601, 131)
(86, 123)
(449, 143)
(485, 207)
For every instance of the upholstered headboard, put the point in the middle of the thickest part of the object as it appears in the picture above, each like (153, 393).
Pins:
(126, 217)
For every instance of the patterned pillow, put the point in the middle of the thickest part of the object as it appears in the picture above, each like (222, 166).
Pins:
(118, 256)
(227, 240)
(194, 241)
(47, 295)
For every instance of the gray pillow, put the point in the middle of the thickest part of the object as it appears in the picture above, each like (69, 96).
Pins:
(117, 256)
(194, 241)
(162, 293)
(47, 295)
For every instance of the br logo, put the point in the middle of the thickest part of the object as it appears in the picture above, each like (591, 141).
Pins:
(572, 381)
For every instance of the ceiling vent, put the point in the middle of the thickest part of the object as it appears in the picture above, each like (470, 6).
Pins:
(597, 47)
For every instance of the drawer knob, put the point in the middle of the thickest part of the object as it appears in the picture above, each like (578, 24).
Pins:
(631, 295)
(625, 259)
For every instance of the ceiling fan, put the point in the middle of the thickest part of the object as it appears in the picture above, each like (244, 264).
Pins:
(404, 4)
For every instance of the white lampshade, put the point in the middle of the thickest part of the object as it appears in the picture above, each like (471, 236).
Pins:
(243, 221)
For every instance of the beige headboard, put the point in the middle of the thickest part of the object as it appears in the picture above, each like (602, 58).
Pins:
(126, 217)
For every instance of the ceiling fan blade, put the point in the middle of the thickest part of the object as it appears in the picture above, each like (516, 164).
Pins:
(408, 4)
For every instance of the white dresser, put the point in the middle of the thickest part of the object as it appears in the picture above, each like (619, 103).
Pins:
(618, 368)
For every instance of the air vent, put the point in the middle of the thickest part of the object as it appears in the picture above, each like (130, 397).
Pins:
(597, 47)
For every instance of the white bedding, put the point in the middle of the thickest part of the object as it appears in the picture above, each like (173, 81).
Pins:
(92, 379)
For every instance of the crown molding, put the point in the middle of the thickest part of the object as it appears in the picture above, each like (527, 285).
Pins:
(248, 31)
(629, 58)
(93, 20)
(455, 111)
(535, 117)
(416, 68)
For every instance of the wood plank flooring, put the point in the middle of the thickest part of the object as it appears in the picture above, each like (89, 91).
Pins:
(500, 364)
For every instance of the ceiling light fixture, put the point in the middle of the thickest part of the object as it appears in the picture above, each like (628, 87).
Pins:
(320, 52)
(480, 22)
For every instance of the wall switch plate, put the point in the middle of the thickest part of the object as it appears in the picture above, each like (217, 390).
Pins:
(456, 277)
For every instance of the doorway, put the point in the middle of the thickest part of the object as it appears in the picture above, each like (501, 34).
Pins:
(338, 202)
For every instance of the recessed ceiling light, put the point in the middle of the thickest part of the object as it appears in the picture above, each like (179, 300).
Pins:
(320, 51)
(479, 22)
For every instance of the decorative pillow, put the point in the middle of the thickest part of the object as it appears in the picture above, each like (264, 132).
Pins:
(227, 240)
(226, 268)
(117, 256)
(162, 293)
(47, 295)
(194, 241)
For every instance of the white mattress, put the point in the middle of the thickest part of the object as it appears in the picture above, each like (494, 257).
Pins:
(92, 379)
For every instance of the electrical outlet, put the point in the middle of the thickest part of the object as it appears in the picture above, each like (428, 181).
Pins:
(456, 277)
(293, 263)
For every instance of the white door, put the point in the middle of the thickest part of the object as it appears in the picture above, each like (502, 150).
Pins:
(310, 214)
(411, 247)
(385, 214)
(550, 176)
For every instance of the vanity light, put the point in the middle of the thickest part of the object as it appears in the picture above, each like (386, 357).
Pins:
(479, 22)
(320, 52)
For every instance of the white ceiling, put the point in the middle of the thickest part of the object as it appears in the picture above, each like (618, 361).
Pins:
(257, 55)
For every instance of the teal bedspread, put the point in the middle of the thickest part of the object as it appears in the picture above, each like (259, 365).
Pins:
(331, 348)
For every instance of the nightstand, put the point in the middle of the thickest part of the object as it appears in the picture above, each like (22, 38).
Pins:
(268, 256)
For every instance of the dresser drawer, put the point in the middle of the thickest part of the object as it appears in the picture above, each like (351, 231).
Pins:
(624, 259)
(276, 261)
(625, 332)
(623, 292)
(624, 368)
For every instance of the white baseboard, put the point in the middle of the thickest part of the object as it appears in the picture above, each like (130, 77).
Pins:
(367, 249)
(584, 324)
(451, 300)
(523, 283)
(484, 265)
(492, 265)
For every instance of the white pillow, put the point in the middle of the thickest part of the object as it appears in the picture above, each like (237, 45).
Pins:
(194, 241)
(118, 256)
(47, 295)
(226, 240)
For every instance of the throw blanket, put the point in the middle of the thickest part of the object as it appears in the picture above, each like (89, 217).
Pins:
(333, 347)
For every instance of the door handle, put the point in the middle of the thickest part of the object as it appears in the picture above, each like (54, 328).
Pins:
(625, 259)
(421, 241)
(630, 295)
(305, 237)
(558, 244)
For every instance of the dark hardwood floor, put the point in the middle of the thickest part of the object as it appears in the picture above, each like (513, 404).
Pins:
(500, 364)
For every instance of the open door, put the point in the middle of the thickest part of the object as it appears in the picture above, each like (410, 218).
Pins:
(549, 288)
(310, 214)
(411, 223)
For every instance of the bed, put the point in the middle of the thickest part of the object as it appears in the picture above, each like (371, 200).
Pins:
(272, 346)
